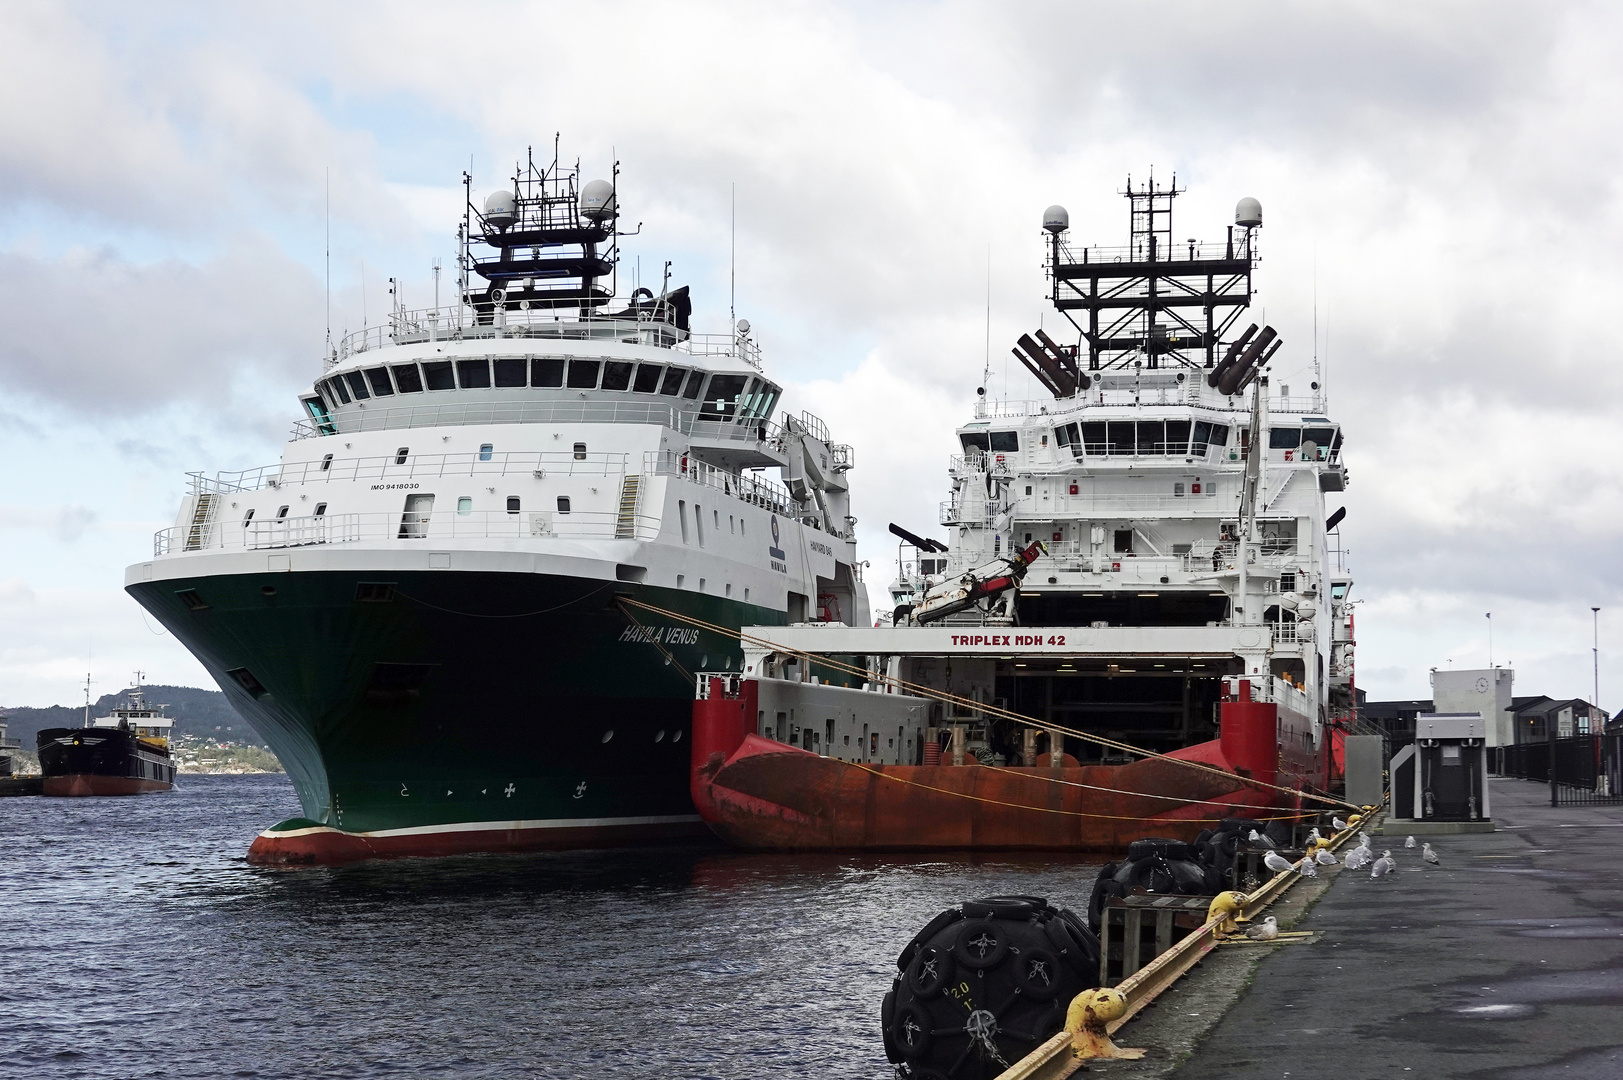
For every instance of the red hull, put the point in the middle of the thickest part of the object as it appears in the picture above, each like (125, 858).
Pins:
(85, 784)
(319, 845)
(761, 794)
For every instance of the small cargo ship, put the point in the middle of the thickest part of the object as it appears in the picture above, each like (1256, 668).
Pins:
(123, 753)
(1139, 622)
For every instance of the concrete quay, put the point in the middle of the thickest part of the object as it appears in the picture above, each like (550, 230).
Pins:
(1504, 963)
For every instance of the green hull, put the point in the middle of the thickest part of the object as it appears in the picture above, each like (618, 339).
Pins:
(410, 701)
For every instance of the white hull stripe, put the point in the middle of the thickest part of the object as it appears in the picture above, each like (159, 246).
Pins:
(494, 826)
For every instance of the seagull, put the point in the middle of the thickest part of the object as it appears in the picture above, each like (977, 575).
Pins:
(1275, 862)
(1258, 838)
(1409, 843)
(1357, 858)
(1306, 867)
(1324, 858)
(1430, 855)
(1363, 838)
(1313, 836)
(1337, 824)
(1267, 930)
(1384, 865)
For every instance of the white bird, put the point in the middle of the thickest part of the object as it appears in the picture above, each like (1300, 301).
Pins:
(1306, 867)
(1357, 858)
(1276, 862)
(1267, 930)
(1430, 855)
(1338, 824)
(1324, 858)
(1364, 838)
(1258, 838)
(1384, 865)
(1313, 836)
(1409, 843)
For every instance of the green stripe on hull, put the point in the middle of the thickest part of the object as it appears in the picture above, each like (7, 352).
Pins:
(464, 697)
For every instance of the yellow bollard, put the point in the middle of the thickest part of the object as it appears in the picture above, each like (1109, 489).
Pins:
(1228, 905)
(1088, 1023)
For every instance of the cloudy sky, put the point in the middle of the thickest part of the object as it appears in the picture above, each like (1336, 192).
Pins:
(1443, 176)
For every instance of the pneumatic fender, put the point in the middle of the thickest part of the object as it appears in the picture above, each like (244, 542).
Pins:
(1102, 888)
(1151, 846)
(983, 985)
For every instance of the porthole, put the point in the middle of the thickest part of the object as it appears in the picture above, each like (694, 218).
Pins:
(464, 505)
(268, 590)
(607, 735)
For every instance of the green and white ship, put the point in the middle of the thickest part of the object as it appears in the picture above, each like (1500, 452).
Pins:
(422, 607)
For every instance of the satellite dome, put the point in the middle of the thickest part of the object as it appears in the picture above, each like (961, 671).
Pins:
(1056, 219)
(1248, 212)
(743, 326)
(500, 209)
(597, 200)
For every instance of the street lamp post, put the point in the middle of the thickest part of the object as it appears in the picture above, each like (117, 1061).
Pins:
(1596, 613)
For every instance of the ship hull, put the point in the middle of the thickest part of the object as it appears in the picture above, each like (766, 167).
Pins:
(436, 713)
(78, 762)
(759, 794)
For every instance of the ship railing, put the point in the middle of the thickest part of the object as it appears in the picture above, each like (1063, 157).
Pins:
(1191, 392)
(758, 491)
(414, 527)
(456, 322)
(391, 468)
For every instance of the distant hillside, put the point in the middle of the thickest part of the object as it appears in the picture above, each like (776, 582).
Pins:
(204, 713)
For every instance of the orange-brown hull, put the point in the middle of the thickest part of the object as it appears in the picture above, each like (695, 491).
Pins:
(86, 784)
(771, 796)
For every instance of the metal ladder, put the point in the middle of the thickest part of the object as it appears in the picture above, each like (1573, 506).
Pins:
(201, 514)
(625, 524)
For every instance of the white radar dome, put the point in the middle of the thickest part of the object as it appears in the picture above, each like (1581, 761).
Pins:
(1056, 219)
(743, 327)
(597, 200)
(500, 209)
(1248, 212)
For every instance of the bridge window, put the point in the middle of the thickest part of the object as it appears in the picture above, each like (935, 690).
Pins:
(1177, 437)
(1284, 438)
(722, 399)
(1121, 436)
(583, 374)
(1203, 438)
(438, 375)
(975, 442)
(336, 385)
(1152, 437)
(379, 378)
(406, 379)
(1005, 442)
(616, 375)
(673, 381)
(1093, 438)
(357, 385)
(510, 371)
(473, 374)
(695, 381)
(546, 371)
(1220, 434)
(647, 381)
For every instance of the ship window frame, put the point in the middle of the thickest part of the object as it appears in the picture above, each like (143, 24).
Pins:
(618, 372)
(1010, 440)
(718, 403)
(513, 504)
(504, 370)
(321, 510)
(1121, 437)
(407, 379)
(579, 451)
(653, 370)
(563, 504)
(671, 384)
(975, 442)
(337, 384)
(400, 455)
(583, 366)
(378, 380)
(1220, 435)
(695, 384)
(476, 366)
(1200, 438)
(464, 505)
(246, 518)
(326, 462)
(1150, 437)
(439, 375)
(547, 372)
(1178, 445)
(357, 385)
(487, 451)
(1280, 438)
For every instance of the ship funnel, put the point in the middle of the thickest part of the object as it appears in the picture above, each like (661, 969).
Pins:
(1248, 213)
(1056, 219)
(500, 209)
(1234, 378)
(1215, 376)
(597, 201)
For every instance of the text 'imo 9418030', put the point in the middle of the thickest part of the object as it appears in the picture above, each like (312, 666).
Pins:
(422, 607)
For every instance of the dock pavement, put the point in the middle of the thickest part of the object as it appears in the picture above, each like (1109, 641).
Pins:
(1503, 963)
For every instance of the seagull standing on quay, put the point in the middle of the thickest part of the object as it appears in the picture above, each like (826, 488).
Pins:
(1324, 857)
(1430, 855)
(1384, 865)
(1258, 838)
(1306, 867)
(1409, 843)
(1357, 858)
(1276, 862)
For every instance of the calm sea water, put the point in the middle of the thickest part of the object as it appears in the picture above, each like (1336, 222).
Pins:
(136, 942)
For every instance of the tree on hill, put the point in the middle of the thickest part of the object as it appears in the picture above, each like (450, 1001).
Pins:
(204, 713)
